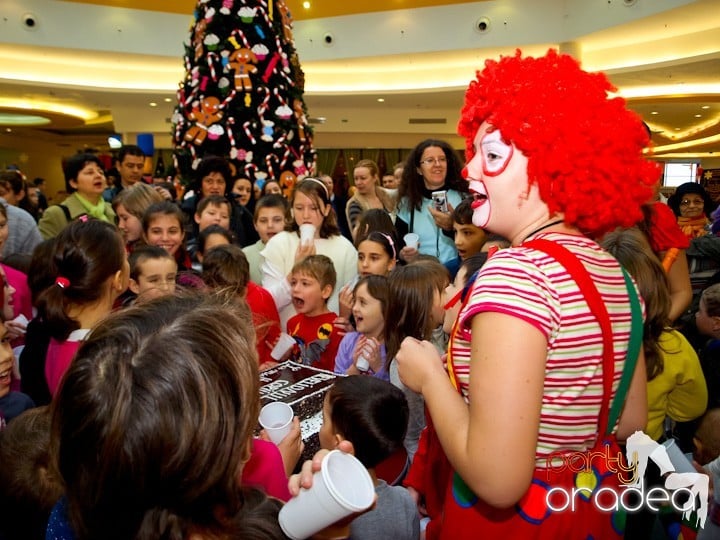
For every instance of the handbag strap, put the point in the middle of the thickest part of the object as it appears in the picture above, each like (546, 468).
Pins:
(592, 296)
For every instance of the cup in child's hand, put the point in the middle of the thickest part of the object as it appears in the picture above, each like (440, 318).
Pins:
(307, 233)
(341, 487)
(411, 240)
(276, 418)
(679, 460)
(284, 343)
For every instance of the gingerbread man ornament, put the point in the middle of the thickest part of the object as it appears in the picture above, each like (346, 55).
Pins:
(205, 114)
(242, 62)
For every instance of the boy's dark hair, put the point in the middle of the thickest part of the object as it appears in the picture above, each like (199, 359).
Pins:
(320, 267)
(14, 180)
(463, 213)
(370, 413)
(129, 150)
(209, 231)
(271, 201)
(711, 297)
(226, 268)
(215, 200)
(29, 488)
(143, 253)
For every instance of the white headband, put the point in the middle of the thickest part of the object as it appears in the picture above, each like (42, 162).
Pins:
(311, 179)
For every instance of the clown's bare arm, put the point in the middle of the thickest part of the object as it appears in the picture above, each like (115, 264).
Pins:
(680, 287)
(490, 443)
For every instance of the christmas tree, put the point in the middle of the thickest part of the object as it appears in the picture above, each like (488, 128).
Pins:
(242, 95)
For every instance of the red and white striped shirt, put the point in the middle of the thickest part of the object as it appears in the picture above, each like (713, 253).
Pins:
(529, 284)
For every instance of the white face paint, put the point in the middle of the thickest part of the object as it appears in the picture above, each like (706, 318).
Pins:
(495, 177)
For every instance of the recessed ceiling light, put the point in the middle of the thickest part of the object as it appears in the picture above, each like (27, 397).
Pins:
(15, 119)
(306, 5)
(167, 100)
(654, 112)
(9, 130)
(705, 107)
(153, 104)
(381, 100)
(698, 116)
(677, 129)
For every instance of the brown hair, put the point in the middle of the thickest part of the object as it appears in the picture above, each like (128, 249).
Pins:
(226, 269)
(711, 297)
(317, 191)
(136, 199)
(154, 418)
(632, 250)
(411, 295)
(86, 254)
(29, 488)
(319, 267)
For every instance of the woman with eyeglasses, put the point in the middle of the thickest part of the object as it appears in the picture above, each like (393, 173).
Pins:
(433, 165)
(692, 206)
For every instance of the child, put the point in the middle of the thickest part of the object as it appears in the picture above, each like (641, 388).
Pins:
(154, 422)
(376, 255)
(213, 210)
(29, 488)
(130, 205)
(312, 281)
(12, 403)
(310, 205)
(414, 309)
(707, 320)
(372, 415)
(226, 269)
(210, 237)
(469, 239)
(91, 271)
(269, 219)
(427, 477)
(153, 272)
(368, 343)
(707, 453)
(164, 226)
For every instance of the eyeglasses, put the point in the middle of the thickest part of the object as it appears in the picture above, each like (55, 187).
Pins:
(434, 161)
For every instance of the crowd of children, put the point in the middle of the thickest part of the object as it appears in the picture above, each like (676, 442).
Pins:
(147, 338)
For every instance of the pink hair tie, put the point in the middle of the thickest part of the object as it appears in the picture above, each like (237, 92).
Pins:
(62, 282)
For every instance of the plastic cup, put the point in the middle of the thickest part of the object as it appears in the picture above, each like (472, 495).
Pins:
(411, 240)
(679, 460)
(276, 418)
(283, 345)
(341, 487)
(307, 233)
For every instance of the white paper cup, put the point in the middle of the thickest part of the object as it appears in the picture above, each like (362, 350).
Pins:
(276, 418)
(307, 233)
(411, 240)
(341, 487)
(22, 319)
(679, 460)
(283, 345)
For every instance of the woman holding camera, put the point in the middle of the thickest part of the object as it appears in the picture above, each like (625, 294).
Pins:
(432, 166)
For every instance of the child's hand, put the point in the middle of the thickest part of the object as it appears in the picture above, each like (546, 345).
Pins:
(304, 250)
(418, 361)
(343, 326)
(368, 348)
(345, 297)
(408, 254)
(291, 447)
(304, 479)
(15, 329)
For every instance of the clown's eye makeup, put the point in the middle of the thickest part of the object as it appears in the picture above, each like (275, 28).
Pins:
(495, 153)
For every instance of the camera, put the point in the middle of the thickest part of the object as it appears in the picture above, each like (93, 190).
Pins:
(328, 39)
(439, 199)
(29, 20)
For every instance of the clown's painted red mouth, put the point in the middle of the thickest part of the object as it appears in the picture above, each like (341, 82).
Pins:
(478, 194)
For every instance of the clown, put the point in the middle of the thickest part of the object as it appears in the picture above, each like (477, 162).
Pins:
(542, 340)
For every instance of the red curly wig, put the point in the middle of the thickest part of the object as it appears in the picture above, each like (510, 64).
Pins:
(584, 149)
